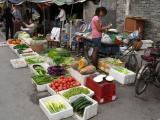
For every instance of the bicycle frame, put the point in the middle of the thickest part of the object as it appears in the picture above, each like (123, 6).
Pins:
(154, 67)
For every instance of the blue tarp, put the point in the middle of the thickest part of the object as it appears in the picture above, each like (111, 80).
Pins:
(17, 1)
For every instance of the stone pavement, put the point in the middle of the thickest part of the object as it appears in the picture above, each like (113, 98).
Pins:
(16, 94)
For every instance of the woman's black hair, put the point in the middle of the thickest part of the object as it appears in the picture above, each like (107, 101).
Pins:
(101, 9)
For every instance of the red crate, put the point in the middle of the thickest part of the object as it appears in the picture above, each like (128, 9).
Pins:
(104, 92)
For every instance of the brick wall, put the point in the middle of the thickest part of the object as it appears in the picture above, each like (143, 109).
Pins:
(149, 9)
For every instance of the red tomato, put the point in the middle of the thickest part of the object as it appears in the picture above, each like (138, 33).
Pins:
(56, 85)
(63, 81)
(60, 88)
(67, 86)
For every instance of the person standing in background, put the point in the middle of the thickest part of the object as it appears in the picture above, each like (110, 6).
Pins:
(61, 16)
(8, 20)
(16, 12)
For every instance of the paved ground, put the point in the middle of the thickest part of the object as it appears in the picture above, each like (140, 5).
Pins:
(17, 98)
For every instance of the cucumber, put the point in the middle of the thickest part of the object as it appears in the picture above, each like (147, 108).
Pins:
(81, 104)
(88, 103)
(78, 101)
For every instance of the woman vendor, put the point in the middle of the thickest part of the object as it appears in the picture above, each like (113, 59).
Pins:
(97, 29)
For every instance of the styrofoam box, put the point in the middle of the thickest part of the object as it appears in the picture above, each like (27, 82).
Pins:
(79, 77)
(50, 90)
(11, 47)
(90, 111)
(39, 88)
(33, 71)
(122, 78)
(147, 44)
(16, 52)
(32, 53)
(24, 64)
(3, 44)
(91, 93)
(68, 112)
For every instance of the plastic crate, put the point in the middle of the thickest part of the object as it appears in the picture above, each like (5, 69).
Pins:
(68, 112)
(90, 111)
(123, 78)
(90, 94)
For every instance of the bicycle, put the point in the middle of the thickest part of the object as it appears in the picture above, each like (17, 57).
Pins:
(112, 50)
(150, 72)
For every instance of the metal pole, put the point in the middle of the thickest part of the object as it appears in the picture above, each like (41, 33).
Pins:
(44, 20)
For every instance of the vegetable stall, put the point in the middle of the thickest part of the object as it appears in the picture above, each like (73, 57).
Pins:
(75, 85)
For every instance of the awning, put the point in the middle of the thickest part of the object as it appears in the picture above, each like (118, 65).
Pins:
(68, 2)
(39, 1)
(17, 2)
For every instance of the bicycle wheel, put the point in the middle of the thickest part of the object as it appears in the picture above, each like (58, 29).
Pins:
(157, 79)
(132, 63)
(142, 78)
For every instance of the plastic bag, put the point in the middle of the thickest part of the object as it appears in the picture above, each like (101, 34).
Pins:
(106, 39)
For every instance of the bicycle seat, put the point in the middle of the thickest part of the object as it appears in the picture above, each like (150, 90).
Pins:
(148, 58)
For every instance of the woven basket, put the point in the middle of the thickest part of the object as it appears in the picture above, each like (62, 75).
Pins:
(38, 46)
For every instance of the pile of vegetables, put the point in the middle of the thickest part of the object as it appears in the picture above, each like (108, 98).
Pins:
(75, 91)
(21, 47)
(113, 61)
(54, 106)
(68, 61)
(22, 34)
(40, 37)
(122, 70)
(58, 55)
(83, 67)
(43, 79)
(56, 70)
(64, 83)
(14, 41)
(34, 59)
(39, 69)
(80, 104)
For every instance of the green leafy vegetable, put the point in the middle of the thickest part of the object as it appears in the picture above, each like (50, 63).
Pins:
(58, 55)
(122, 70)
(34, 59)
(21, 47)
